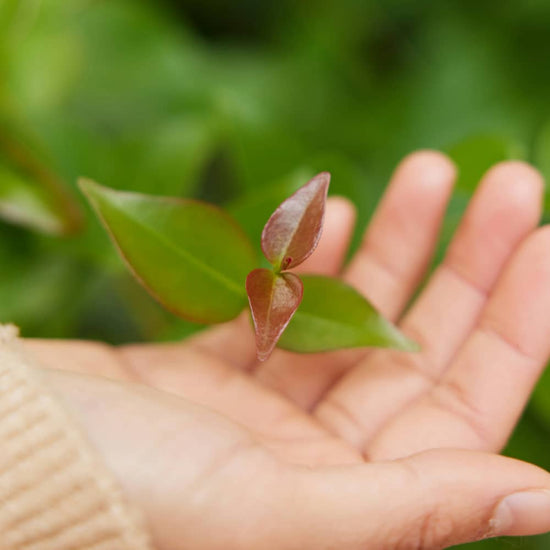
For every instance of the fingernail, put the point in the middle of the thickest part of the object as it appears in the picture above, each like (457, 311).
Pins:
(525, 513)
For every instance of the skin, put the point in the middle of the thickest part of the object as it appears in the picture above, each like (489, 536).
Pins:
(354, 449)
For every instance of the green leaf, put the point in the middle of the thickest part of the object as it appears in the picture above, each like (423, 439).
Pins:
(24, 203)
(274, 298)
(476, 154)
(31, 193)
(333, 315)
(191, 256)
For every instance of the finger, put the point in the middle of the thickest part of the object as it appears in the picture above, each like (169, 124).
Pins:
(396, 249)
(402, 235)
(484, 392)
(423, 502)
(234, 341)
(503, 211)
(432, 500)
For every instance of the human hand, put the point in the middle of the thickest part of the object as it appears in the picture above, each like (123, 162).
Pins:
(355, 449)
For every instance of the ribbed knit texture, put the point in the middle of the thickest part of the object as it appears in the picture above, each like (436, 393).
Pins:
(55, 494)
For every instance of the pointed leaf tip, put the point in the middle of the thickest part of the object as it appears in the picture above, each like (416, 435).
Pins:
(273, 299)
(293, 231)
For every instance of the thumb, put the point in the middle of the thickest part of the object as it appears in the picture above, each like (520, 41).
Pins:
(431, 500)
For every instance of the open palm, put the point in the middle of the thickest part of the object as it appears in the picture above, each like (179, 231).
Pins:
(357, 448)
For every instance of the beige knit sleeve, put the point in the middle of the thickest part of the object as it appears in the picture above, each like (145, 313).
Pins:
(55, 494)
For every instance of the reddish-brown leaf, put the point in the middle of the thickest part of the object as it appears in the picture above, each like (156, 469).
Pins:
(294, 229)
(273, 299)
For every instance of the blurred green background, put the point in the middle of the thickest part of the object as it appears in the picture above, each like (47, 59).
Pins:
(238, 103)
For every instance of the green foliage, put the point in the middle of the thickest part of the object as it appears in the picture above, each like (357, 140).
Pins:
(476, 154)
(22, 202)
(31, 193)
(333, 315)
(241, 102)
(190, 255)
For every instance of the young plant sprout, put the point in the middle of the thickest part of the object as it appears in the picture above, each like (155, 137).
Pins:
(289, 237)
(196, 260)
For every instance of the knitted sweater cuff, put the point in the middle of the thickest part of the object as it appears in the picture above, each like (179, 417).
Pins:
(55, 493)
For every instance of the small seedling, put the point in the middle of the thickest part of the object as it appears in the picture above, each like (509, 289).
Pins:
(289, 237)
(196, 260)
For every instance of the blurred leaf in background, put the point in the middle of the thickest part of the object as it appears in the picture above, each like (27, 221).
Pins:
(239, 103)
